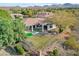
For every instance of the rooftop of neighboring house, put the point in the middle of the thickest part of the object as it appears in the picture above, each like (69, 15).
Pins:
(17, 14)
(33, 21)
(44, 14)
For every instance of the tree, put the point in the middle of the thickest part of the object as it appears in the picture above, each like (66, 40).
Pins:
(60, 29)
(5, 14)
(28, 12)
(63, 18)
(24, 12)
(19, 29)
(10, 30)
(6, 32)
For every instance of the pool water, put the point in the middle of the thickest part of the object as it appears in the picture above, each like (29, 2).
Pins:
(30, 34)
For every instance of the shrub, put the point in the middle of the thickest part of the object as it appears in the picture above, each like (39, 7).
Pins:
(71, 43)
(20, 49)
(53, 53)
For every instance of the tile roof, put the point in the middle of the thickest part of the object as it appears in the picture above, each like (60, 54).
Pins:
(33, 21)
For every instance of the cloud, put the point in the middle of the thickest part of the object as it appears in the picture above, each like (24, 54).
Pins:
(39, 1)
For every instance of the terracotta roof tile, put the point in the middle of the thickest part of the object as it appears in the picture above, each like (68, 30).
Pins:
(33, 21)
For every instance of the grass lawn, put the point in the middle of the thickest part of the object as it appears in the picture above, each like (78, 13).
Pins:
(40, 42)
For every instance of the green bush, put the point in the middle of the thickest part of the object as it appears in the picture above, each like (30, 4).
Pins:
(55, 52)
(71, 43)
(20, 49)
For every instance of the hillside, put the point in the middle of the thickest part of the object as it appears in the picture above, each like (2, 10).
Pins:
(4, 14)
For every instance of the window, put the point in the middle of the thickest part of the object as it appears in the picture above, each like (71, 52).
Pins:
(39, 25)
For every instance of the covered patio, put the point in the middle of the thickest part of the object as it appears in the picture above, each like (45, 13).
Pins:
(38, 25)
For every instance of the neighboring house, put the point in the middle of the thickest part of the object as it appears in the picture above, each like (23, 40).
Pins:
(44, 14)
(38, 25)
(14, 16)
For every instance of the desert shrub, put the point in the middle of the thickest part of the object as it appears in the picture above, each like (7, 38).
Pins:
(60, 30)
(53, 53)
(71, 43)
(20, 49)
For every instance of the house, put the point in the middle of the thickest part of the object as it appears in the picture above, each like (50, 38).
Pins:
(44, 14)
(14, 16)
(38, 25)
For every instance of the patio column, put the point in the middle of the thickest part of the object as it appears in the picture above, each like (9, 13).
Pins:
(32, 28)
(48, 27)
(42, 27)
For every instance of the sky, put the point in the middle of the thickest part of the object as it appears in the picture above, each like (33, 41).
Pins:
(40, 1)
(35, 2)
(24, 4)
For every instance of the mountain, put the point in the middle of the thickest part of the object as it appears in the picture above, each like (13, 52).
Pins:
(66, 5)
(53, 5)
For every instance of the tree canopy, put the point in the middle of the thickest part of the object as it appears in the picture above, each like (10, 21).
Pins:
(19, 29)
(5, 14)
(6, 32)
(63, 18)
(9, 29)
